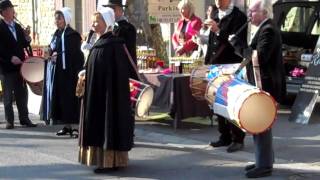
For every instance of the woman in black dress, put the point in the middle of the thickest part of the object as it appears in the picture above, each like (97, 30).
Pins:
(106, 127)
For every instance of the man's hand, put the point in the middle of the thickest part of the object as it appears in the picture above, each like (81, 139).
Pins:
(27, 33)
(27, 30)
(212, 24)
(15, 60)
(54, 56)
(233, 39)
(82, 73)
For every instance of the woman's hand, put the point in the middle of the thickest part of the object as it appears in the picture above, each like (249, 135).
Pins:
(179, 50)
(82, 74)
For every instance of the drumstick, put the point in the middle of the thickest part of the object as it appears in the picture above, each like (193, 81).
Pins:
(30, 62)
(256, 69)
(47, 59)
(55, 55)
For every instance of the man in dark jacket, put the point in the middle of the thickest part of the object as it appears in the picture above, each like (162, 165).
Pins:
(267, 43)
(12, 44)
(126, 31)
(227, 20)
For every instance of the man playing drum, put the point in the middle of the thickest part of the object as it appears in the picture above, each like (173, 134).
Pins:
(227, 20)
(13, 40)
(267, 43)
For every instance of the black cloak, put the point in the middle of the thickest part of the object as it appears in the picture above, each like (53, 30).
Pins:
(65, 104)
(108, 122)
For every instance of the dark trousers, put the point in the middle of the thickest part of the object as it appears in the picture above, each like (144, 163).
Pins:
(14, 86)
(264, 149)
(229, 132)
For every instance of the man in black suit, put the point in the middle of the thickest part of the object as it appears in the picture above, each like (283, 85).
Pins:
(125, 30)
(226, 21)
(267, 43)
(12, 44)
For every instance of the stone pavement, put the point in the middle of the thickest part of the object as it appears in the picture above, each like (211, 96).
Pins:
(160, 153)
(296, 146)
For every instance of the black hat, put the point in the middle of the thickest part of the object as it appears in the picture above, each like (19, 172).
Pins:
(114, 3)
(4, 4)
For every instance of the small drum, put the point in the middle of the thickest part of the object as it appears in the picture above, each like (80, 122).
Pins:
(200, 77)
(198, 81)
(246, 106)
(141, 97)
(32, 70)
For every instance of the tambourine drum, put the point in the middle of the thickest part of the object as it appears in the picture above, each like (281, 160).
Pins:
(246, 106)
(141, 97)
(32, 70)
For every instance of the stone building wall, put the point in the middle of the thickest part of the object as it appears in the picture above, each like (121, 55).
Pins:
(39, 15)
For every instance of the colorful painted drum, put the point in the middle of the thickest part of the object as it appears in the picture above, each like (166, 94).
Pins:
(213, 86)
(219, 74)
(246, 106)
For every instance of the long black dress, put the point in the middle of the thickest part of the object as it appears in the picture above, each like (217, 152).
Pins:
(106, 127)
(65, 105)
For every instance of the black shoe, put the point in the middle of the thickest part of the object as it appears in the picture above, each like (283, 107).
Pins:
(234, 147)
(259, 172)
(28, 124)
(249, 167)
(219, 143)
(105, 170)
(64, 131)
(74, 133)
(9, 126)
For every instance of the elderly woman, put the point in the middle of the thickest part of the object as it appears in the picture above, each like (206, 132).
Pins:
(188, 26)
(106, 128)
(202, 39)
(65, 46)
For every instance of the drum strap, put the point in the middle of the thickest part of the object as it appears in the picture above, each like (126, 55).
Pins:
(256, 69)
(131, 62)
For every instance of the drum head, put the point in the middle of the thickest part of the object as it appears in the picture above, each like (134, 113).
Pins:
(144, 102)
(257, 113)
(32, 69)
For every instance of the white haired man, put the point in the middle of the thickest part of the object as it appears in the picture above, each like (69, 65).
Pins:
(267, 42)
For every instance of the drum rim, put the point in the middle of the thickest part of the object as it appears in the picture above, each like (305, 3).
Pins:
(274, 116)
(139, 99)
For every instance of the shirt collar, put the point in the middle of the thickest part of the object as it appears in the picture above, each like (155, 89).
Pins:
(223, 13)
(121, 18)
(262, 23)
(9, 23)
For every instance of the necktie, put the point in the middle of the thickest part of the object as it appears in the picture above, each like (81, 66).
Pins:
(13, 30)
